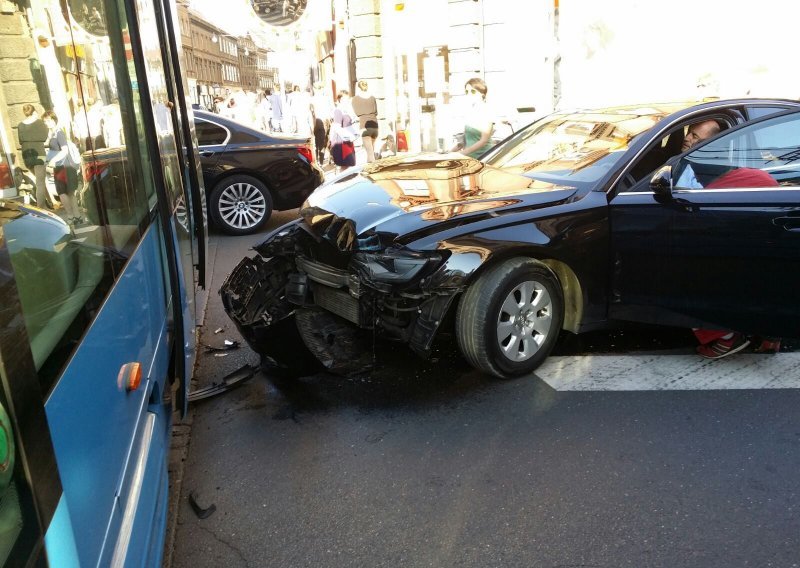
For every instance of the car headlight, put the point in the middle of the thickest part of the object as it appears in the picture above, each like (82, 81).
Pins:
(395, 266)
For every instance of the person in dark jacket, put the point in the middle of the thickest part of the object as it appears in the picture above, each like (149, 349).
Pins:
(32, 133)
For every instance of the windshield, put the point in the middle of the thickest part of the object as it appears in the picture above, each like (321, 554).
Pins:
(575, 148)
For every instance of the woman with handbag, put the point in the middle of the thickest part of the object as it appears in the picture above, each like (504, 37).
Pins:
(61, 160)
(343, 133)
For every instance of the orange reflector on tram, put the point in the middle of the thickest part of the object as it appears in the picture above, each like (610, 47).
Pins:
(130, 376)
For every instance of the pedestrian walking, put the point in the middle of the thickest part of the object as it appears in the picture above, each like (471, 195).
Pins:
(33, 133)
(263, 111)
(278, 104)
(64, 164)
(343, 133)
(366, 109)
(230, 110)
(322, 107)
(302, 115)
(479, 124)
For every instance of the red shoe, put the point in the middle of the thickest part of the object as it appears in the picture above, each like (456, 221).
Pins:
(768, 346)
(723, 347)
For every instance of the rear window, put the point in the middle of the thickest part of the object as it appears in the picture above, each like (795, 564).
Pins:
(239, 137)
(209, 134)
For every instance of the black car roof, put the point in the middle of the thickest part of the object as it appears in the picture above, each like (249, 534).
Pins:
(239, 127)
(671, 107)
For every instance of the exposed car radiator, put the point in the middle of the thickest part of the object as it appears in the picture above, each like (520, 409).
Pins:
(336, 301)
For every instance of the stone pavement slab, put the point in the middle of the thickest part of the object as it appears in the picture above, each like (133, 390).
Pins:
(670, 372)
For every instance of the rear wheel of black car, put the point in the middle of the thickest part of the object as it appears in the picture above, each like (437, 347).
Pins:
(240, 205)
(509, 319)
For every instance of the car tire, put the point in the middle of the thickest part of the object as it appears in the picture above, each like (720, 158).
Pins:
(501, 331)
(240, 205)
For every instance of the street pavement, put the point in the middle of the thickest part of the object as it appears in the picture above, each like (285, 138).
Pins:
(637, 454)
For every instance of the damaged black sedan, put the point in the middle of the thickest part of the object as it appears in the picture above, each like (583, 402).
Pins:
(561, 227)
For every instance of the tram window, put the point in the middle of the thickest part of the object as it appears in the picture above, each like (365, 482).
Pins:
(18, 527)
(80, 153)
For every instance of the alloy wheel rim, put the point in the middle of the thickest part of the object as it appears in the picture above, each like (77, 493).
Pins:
(242, 205)
(524, 321)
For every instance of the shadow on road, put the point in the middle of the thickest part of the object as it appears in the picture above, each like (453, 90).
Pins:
(399, 380)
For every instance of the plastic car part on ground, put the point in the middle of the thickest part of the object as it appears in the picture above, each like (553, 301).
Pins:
(228, 382)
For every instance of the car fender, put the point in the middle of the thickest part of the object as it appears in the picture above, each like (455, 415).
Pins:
(464, 267)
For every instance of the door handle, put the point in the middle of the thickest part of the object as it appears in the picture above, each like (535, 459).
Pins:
(206, 153)
(788, 223)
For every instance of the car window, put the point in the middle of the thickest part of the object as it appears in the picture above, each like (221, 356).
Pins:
(209, 134)
(765, 154)
(755, 112)
(240, 137)
(574, 149)
(670, 145)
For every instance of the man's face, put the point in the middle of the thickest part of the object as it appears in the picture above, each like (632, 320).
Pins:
(699, 132)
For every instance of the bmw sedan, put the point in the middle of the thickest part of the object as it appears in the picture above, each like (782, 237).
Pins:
(673, 214)
(248, 173)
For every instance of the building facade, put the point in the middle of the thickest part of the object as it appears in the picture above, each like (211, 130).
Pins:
(418, 55)
(218, 63)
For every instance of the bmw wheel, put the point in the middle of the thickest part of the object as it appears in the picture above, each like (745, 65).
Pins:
(509, 319)
(240, 205)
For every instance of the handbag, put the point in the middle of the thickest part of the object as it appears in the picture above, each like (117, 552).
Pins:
(72, 159)
(349, 133)
(73, 155)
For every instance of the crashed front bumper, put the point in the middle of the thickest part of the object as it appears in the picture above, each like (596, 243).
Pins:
(371, 291)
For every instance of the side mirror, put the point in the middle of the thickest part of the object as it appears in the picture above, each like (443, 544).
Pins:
(661, 182)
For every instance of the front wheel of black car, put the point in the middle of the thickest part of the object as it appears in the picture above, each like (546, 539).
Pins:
(240, 205)
(509, 319)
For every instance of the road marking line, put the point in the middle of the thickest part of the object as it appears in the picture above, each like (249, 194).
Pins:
(670, 372)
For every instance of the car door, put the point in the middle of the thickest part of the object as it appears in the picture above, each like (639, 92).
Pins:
(639, 234)
(212, 139)
(725, 252)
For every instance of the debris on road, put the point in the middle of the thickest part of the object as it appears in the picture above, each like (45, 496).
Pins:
(202, 513)
(227, 346)
(229, 382)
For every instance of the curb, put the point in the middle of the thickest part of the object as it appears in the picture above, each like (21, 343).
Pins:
(181, 436)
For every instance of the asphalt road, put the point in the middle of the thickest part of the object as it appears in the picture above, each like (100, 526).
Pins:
(437, 465)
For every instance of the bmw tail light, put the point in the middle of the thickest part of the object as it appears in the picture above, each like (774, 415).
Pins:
(306, 152)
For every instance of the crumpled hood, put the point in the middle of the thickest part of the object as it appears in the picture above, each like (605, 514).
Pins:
(397, 196)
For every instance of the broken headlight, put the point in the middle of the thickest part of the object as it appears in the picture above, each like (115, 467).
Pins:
(396, 266)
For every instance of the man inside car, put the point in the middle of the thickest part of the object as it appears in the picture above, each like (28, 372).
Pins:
(716, 344)
(698, 132)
